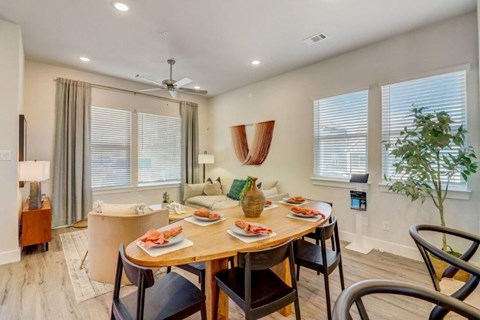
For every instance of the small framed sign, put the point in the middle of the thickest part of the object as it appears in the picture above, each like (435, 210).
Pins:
(358, 200)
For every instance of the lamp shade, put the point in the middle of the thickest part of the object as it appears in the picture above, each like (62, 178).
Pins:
(34, 170)
(206, 158)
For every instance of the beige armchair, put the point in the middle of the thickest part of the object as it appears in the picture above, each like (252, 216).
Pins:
(107, 231)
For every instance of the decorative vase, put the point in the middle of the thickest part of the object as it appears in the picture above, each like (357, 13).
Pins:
(253, 201)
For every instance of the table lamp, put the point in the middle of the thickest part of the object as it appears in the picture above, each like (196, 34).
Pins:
(205, 159)
(34, 172)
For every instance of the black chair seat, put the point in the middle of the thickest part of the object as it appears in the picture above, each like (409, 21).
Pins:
(233, 282)
(308, 255)
(172, 294)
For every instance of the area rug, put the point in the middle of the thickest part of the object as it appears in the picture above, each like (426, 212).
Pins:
(74, 247)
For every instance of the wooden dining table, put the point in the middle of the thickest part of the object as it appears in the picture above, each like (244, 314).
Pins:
(213, 245)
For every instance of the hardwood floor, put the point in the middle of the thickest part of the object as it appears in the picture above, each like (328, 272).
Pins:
(39, 287)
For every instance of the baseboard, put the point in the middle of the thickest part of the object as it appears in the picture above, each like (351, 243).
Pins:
(386, 246)
(10, 256)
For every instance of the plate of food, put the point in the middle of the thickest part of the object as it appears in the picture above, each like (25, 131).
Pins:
(251, 229)
(295, 200)
(206, 215)
(306, 213)
(163, 237)
(268, 204)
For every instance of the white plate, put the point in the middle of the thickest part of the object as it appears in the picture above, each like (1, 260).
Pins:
(171, 241)
(242, 232)
(208, 219)
(307, 216)
(286, 200)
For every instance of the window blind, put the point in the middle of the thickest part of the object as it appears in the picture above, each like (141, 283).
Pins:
(110, 147)
(159, 150)
(340, 135)
(446, 92)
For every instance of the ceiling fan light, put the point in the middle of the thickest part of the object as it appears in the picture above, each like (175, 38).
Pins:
(120, 6)
(255, 62)
(196, 87)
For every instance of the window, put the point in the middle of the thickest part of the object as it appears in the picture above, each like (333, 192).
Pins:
(340, 135)
(446, 92)
(158, 149)
(110, 147)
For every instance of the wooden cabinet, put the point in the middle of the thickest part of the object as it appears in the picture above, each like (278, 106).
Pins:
(36, 225)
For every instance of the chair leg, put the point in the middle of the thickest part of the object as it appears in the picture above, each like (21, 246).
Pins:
(215, 312)
(327, 295)
(296, 303)
(83, 260)
(340, 269)
(298, 272)
(202, 283)
(169, 269)
(203, 311)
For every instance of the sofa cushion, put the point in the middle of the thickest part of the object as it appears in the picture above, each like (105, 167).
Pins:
(213, 188)
(226, 185)
(271, 191)
(236, 188)
(192, 190)
(206, 201)
(268, 184)
(119, 209)
(228, 203)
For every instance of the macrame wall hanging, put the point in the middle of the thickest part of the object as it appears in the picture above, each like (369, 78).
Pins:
(262, 139)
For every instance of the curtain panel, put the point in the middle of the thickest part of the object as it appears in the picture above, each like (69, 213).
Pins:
(189, 115)
(72, 192)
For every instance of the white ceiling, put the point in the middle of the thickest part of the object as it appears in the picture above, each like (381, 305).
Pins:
(213, 41)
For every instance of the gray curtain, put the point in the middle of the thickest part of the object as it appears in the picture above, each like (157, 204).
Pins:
(72, 192)
(189, 114)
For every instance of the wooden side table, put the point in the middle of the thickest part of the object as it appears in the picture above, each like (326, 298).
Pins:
(37, 225)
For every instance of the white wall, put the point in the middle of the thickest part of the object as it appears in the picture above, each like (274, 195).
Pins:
(40, 113)
(11, 86)
(287, 99)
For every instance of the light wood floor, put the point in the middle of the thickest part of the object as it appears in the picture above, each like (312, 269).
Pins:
(39, 287)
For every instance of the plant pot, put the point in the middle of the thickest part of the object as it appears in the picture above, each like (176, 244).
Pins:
(439, 266)
(253, 201)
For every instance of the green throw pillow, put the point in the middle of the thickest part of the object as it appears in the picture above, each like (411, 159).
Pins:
(235, 189)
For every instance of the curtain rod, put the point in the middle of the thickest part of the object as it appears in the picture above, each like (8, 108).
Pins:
(101, 86)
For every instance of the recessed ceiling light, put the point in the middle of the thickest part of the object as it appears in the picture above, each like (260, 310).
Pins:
(196, 88)
(120, 6)
(84, 59)
(255, 62)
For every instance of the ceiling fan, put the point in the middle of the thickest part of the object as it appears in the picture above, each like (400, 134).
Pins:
(171, 85)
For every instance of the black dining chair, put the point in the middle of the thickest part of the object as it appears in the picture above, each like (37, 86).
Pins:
(170, 297)
(256, 289)
(320, 258)
(357, 291)
(455, 264)
(313, 235)
(198, 269)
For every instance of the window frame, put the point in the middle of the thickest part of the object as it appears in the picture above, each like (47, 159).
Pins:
(336, 180)
(453, 187)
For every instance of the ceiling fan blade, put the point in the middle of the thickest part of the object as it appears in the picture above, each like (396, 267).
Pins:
(193, 91)
(153, 89)
(139, 76)
(173, 93)
(182, 82)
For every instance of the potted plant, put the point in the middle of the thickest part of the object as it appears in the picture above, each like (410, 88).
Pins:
(427, 156)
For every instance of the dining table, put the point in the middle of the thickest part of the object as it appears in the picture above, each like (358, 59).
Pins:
(213, 245)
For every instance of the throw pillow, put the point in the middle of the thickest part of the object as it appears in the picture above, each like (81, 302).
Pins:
(236, 188)
(213, 188)
(192, 190)
(211, 181)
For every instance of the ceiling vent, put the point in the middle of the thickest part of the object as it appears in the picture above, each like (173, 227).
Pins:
(315, 38)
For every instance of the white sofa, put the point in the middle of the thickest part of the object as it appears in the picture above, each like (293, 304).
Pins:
(195, 197)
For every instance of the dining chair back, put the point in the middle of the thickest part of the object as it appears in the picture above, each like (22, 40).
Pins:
(171, 297)
(320, 258)
(357, 291)
(255, 288)
(427, 250)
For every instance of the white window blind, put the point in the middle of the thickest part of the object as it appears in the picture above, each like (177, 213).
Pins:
(159, 153)
(340, 135)
(110, 147)
(446, 92)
